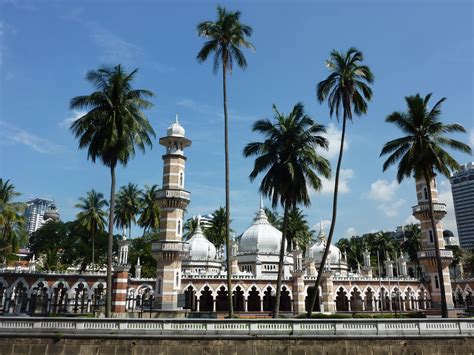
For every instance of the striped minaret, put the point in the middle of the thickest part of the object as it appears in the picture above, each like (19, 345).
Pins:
(173, 199)
(120, 278)
(427, 256)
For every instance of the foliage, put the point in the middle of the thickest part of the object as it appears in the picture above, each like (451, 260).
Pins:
(189, 227)
(299, 233)
(274, 218)
(129, 204)
(216, 232)
(13, 232)
(289, 160)
(141, 248)
(150, 212)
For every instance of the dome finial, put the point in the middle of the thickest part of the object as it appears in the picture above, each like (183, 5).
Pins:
(261, 201)
(321, 225)
(176, 119)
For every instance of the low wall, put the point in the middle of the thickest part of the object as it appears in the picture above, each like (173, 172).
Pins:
(66, 336)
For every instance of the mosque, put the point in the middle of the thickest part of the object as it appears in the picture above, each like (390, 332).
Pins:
(191, 274)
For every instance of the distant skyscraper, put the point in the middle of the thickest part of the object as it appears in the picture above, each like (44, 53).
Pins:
(35, 210)
(462, 187)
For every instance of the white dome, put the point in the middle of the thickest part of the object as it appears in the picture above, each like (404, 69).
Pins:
(200, 248)
(261, 237)
(317, 249)
(176, 130)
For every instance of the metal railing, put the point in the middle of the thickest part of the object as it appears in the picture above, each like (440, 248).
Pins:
(425, 207)
(293, 328)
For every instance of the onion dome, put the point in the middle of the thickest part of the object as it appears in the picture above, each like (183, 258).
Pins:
(316, 250)
(449, 238)
(200, 248)
(261, 237)
(51, 213)
(176, 130)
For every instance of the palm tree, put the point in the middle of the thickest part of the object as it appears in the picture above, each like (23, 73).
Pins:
(111, 131)
(150, 212)
(412, 244)
(273, 217)
(347, 89)
(289, 160)
(189, 227)
(299, 234)
(93, 215)
(420, 153)
(216, 231)
(128, 206)
(225, 37)
(7, 191)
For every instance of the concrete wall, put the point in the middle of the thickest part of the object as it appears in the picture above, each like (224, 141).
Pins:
(63, 346)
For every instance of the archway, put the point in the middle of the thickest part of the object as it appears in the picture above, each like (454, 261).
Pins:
(356, 301)
(222, 300)
(190, 299)
(369, 300)
(39, 299)
(309, 295)
(238, 299)
(59, 299)
(342, 303)
(206, 301)
(254, 301)
(269, 299)
(285, 300)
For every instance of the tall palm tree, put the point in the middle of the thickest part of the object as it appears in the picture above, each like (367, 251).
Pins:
(299, 234)
(7, 191)
(150, 213)
(412, 244)
(347, 89)
(93, 215)
(420, 154)
(289, 160)
(128, 207)
(273, 217)
(189, 227)
(225, 37)
(111, 131)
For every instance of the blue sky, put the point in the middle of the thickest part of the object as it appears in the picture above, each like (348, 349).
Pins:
(47, 47)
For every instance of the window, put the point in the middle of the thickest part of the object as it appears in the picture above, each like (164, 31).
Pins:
(158, 286)
(431, 236)
(181, 179)
(178, 227)
(426, 192)
(436, 282)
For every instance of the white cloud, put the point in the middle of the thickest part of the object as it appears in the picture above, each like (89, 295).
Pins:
(382, 190)
(333, 135)
(344, 177)
(351, 231)
(10, 134)
(411, 220)
(445, 196)
(66, 123)
(391, 208)
(326, 225)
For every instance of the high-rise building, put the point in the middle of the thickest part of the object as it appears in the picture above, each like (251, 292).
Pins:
(34, 213)
(462, 187)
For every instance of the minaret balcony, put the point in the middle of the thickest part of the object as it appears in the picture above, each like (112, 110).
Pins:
(446, 256)
(422, 211)
(170, 249)
(173, 198)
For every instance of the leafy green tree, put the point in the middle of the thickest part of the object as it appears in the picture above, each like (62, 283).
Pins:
(289, 160)
(216, 232)
(412, 244)
(347, 89)
(129, 205)
(93, 216)
(49, 243)
(420, 154)
(150, 212)
(458, 255)
(224, 39)
(353, 248)
(141, 248)
(111, 131)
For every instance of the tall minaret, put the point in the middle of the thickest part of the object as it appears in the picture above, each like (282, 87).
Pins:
(173, 199)
(427, 255)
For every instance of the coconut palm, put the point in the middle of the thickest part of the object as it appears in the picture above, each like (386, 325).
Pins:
(111, 130)
(412, 243)
(189, 227)
(289, 160)
(420, 154)
(225, 38)
(128, 207)
(346, 89)
(7, 191)
(273, 217)
(93, 215)
(150, 213)
(216, 231)
(299, 234)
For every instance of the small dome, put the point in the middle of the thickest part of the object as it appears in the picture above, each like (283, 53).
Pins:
(449, 238)
(51, 213)
(200, 248)
(261, 237)
(448, 233)
(317, 249)
(176, 130)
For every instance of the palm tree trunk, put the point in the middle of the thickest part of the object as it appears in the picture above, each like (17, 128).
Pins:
(108, 309)
(227, 192)
(276, 310)
(439, 266)
(333, 220)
